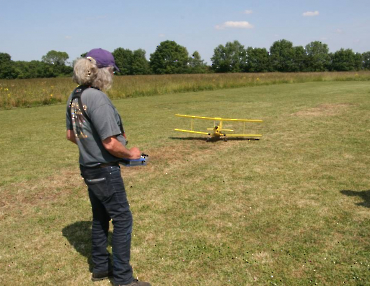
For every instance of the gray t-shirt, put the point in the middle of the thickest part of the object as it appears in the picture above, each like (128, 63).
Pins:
(105, 123)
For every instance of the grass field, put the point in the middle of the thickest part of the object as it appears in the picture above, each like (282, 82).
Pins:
(290, 209)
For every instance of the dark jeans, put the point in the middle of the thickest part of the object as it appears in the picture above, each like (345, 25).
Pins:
(108, 200)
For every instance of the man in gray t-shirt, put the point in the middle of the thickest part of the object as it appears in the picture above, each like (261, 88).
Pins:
(106, 123)
(94, 124)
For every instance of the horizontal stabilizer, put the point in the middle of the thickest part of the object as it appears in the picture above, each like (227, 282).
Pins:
(243, 135)
(227, 130)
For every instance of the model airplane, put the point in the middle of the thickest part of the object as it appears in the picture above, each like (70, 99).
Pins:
(217, 132)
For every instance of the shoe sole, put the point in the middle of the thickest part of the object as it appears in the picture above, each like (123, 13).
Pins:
(100, 279)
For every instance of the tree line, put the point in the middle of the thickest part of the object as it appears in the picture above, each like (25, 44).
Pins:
(172, 58)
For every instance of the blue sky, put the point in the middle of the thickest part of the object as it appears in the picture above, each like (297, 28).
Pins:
(29, 29)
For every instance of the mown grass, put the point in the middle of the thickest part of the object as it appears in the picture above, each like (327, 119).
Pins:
(36, 92)
(290, 209)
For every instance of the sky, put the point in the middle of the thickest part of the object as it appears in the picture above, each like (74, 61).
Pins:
(29, 29)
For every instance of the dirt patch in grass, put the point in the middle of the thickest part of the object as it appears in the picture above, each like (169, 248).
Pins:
(323, 110)
(54, 188)
(42, 192)
(187, 152)
(163, 159)
(263, 257)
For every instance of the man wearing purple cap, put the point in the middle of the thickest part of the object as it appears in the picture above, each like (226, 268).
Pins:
(94, 124)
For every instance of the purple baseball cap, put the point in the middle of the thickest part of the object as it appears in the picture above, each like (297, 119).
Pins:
(103, 58)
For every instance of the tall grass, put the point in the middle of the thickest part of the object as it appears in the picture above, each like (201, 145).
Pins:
(34, 92)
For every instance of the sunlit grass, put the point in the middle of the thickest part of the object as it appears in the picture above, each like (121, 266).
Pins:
(290, 209)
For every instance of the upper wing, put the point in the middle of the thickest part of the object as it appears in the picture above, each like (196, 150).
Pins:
(219, 118)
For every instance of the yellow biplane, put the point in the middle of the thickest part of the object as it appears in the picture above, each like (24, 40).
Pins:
(217, 132)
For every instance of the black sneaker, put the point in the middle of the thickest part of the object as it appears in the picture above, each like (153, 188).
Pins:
(101, 275)
(135, 283)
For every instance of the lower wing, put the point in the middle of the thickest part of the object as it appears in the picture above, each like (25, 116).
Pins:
(191, 131)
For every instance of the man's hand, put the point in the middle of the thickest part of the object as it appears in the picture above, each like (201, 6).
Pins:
(135, 153)
(71, 136)
(115, 147)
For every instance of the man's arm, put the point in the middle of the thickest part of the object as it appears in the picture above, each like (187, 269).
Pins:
(71, 136)
(115, 147)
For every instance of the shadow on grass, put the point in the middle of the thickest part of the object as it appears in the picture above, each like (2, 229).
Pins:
(79, 236)
(365, 195)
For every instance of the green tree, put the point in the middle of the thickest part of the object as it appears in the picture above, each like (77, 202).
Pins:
(196, 64)
(140, 65)
(5, 58)
(55, 58)
(169, 58)
(346, 60)
(257, 60)
(318, 58)
(282, 56)
(123, 58)
(58, 63)
(131, 62)
(25, 70)
(299, 59)
(220, 61)
(36, 69)
(7, 68)
(366, 60)
(229, 58)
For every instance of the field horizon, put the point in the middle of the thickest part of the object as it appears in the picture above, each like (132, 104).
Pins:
(50, 91)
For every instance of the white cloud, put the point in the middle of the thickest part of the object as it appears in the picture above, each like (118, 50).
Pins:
(248, 12)
(236, 25)
(68, 37)
(161, 35)
(310, 14)
(339, 31)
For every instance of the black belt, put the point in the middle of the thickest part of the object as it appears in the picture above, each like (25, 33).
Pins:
(104, 165)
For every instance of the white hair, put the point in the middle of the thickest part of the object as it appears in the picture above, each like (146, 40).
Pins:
(86, 72)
